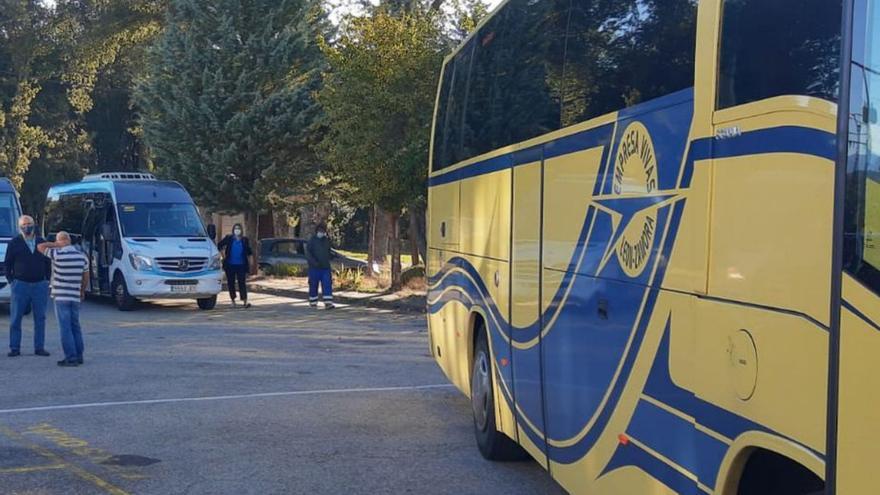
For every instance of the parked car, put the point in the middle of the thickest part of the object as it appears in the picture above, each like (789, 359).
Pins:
(275, 252)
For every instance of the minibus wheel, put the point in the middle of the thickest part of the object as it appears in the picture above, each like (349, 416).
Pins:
(207, 303)
(124, 300)
(493, 444)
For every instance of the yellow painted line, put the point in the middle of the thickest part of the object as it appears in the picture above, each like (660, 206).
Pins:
(31, 469)
(78, 471)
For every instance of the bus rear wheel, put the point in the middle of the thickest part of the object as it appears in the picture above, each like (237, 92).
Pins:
(207, 303)
(493, 444)
(124, 301)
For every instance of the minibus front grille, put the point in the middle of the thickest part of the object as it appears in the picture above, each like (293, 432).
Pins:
(182, 264)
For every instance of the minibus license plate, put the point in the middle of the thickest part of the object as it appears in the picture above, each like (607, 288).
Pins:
(183, 289)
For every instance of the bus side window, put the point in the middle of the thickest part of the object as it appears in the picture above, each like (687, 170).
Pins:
(760, 60)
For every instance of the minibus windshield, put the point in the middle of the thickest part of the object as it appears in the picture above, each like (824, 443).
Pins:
(160, 220)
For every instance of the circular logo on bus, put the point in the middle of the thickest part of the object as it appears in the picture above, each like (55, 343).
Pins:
(635, 174)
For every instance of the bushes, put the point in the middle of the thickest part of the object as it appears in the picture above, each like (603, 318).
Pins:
(283, 271)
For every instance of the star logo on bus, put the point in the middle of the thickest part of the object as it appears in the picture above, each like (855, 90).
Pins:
(634, 226)
(634, 202)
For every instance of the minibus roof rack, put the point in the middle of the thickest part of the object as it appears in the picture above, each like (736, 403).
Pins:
(119, 176)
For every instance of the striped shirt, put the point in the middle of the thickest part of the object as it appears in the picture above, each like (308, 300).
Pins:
(68, 266)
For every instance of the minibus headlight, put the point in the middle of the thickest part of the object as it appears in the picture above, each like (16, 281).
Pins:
(216, 262)
(141, 263)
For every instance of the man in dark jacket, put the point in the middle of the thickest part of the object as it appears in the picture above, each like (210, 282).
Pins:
(27, 271)
(318, 254)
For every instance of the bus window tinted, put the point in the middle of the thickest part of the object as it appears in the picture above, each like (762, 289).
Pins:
(621, 53)
(539, 65)
(779, 47)
(449, 147)
(65, 213)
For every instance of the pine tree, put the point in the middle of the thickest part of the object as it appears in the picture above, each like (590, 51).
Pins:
(228, 103)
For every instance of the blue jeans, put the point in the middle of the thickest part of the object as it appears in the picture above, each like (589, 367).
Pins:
(25, 294)
(324, 277)
(71, 332)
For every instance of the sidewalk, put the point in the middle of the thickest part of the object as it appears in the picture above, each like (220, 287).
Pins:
(408, 301)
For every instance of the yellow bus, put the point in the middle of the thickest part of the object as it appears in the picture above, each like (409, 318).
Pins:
(632, 242)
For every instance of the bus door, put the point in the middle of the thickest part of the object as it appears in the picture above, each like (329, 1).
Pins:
(525, 307)
(106, 240)
(89, 244)
(855, 386)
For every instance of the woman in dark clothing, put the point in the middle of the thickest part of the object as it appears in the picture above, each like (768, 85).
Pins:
(237, 256)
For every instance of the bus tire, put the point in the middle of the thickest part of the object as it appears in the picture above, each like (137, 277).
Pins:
(493, 444)
(124, 301)
(207, 303)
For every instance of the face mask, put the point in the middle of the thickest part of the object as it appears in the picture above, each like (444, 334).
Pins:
(237, 232)
(322, 234)
(27, 229)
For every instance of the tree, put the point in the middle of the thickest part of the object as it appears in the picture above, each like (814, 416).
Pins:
(227, 102)
(378, 99)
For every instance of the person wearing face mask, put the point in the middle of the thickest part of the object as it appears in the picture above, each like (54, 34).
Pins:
(27, 271)
(237, 256)
(318, 252)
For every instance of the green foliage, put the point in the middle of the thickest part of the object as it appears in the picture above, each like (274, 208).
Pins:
(284, 271)
(378, 98)
(228, 102)
(51, 57)
(412, 276)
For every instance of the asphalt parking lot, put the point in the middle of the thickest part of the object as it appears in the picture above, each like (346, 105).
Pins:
(275, 399)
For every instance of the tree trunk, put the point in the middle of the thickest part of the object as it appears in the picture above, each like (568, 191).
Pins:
(394, 238)
(378, 250)
(307, 221)
(282, 224)
(251, 229)
(413, 235)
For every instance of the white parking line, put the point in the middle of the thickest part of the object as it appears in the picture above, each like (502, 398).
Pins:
(224, 397)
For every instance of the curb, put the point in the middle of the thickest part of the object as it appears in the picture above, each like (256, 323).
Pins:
(414, 304)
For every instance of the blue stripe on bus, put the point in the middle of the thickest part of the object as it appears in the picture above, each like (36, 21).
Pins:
(678, 440)
(730, 425)
(786, 139)
(852, 309)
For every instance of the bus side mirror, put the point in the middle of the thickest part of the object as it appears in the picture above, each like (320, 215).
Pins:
(108, 232)
(212, 232)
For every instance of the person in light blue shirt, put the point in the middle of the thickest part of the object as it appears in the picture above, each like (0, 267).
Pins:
(237, 255)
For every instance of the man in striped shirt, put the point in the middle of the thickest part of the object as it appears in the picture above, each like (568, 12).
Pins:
(70, 269)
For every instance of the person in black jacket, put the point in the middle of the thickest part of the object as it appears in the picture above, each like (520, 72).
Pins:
(27, 271)
(318, 254)
(237, 258)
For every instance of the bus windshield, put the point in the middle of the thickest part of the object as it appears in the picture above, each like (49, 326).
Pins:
(862, 225)
(8, 215)
(160, 220)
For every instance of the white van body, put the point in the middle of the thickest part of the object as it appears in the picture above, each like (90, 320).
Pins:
(144, 238)
(10, 211)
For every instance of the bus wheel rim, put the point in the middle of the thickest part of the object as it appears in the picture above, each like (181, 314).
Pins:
(480, 391)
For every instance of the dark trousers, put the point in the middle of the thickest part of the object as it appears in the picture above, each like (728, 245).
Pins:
(324, 278)
(237, 273)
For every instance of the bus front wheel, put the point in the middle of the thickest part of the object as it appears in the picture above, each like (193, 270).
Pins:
(124, 300)
(493, 444)
(207, 303)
